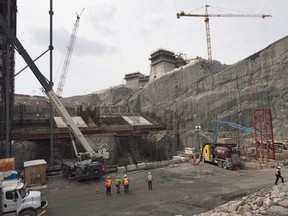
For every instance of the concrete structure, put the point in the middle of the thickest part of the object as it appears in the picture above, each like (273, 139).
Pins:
(8, 10)
(162, 61)
(131, 167)
(136, 120)
(121, 169)
(143, 80)
(136, 80)
(77, 119)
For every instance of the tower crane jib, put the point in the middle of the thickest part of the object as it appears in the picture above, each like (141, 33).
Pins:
(207, 15)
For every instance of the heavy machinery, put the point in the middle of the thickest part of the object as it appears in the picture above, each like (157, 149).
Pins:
(216, 130)
(222, 151)
(87, 165)
(69, 52)
(231, 124)
(224, 155)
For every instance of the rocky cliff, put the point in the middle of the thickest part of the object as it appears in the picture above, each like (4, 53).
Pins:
(204, 91)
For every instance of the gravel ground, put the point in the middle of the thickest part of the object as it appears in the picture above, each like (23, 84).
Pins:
(183, 190)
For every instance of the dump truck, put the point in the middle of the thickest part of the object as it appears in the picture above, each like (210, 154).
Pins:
(16, 200)
(224, 155)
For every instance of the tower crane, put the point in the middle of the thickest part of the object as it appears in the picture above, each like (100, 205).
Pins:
(206, 20)
(69, 52)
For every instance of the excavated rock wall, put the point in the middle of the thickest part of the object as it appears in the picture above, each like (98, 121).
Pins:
(205, 91)
(150, 147)
(196, 94)
(27, 150)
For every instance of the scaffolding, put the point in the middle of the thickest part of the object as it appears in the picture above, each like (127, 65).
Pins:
(263, 132)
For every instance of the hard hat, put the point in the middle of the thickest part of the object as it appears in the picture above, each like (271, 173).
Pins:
(149, 173)
(279, 167)
(125, 176)
(108, 177)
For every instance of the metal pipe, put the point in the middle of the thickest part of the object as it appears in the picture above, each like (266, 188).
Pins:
(51, 82)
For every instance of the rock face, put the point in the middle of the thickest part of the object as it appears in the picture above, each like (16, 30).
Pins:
(205, 91)
(113, 96)
(271, 201)
(198, 94)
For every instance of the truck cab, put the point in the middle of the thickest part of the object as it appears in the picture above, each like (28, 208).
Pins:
(224, 155)
(16, 200)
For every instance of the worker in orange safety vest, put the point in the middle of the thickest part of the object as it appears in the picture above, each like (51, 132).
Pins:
(278, 175)
(108, 184)
(126, 183)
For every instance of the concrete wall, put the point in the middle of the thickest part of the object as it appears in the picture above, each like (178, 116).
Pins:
(149, 147)
(145, 148)
(161, 69)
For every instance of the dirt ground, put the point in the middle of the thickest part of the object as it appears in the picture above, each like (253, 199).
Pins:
(184, 190)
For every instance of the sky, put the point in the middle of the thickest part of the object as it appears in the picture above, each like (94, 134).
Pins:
(117, 37)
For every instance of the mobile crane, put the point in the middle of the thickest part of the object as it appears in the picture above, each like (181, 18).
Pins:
(87, 165)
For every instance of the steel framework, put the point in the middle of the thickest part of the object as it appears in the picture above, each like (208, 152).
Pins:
(8, 10)
(263, 133)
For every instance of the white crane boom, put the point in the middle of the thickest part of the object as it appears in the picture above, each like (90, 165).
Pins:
(70, 48)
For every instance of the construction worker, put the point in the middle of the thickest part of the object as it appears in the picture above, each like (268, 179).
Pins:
(194, 159)
(126, 183)
(278, 175)
(117, 184)
(149, 180)
(22, 175)
(108, 184)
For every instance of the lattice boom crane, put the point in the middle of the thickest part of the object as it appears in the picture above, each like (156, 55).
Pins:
(69, 52)
(206, 16)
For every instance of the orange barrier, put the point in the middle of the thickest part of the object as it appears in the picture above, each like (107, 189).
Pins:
(97, 191)
(7, 164)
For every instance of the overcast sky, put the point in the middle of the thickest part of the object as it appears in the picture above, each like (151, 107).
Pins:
(116, 37)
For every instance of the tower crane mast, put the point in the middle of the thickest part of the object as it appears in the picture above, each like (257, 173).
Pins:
(69, 52)
(206, 20)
